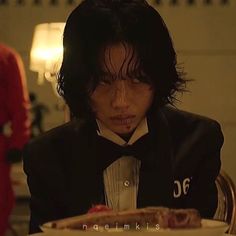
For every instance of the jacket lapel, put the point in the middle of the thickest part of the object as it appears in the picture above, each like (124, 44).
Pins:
(156, 182)
(84, 182)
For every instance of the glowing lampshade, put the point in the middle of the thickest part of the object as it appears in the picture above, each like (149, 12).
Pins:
(47, 50)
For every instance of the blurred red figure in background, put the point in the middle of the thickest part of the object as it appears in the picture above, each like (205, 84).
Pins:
(14, 105)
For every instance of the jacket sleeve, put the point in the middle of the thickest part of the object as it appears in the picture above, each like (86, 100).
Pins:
(203, 192)
(45, 183)
(17, 101)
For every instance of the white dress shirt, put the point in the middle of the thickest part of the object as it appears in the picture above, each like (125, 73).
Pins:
(121, 178)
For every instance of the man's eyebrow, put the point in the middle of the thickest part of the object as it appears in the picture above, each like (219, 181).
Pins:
(136, 72)
(128, 73)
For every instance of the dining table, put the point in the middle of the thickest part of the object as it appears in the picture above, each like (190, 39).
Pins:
(45, 234)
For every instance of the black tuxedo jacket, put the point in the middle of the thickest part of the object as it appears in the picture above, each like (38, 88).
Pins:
(63, 178)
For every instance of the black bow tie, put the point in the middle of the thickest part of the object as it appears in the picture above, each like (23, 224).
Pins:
(154, 151)
(108, 151)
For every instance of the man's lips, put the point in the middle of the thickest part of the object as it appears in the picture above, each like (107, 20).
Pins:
(122, 119)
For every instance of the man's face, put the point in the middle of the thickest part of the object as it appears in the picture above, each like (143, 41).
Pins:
(120, 101)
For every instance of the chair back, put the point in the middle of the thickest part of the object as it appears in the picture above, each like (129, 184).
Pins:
(226, 210)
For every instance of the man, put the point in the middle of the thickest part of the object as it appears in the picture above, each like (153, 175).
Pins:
(128, 147)
(14, 105)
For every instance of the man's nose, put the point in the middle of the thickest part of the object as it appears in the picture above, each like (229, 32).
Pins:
(119, 98)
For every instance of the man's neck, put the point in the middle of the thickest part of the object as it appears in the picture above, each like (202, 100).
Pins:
(126, 137)
(121, 139)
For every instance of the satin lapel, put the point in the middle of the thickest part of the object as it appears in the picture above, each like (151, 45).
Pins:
(85, 184)
(156, 182)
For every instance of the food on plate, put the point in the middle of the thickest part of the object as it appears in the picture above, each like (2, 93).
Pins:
(143, 218)
(99, 208)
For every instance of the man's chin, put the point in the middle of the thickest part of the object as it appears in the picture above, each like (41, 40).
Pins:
(124, 131)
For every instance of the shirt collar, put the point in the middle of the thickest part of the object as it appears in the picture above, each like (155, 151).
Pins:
(140, 130)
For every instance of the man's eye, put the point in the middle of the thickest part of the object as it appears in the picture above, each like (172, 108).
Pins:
(140, 80)
(105, 82)
(135, 81)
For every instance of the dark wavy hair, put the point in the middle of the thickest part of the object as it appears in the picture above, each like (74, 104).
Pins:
(96, 24)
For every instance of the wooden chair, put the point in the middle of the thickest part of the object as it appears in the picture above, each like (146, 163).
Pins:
(226, 209)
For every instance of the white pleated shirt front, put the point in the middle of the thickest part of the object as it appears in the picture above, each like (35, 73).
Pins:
(121, 178)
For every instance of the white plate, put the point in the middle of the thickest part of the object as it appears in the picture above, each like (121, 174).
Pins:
(209, 228)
